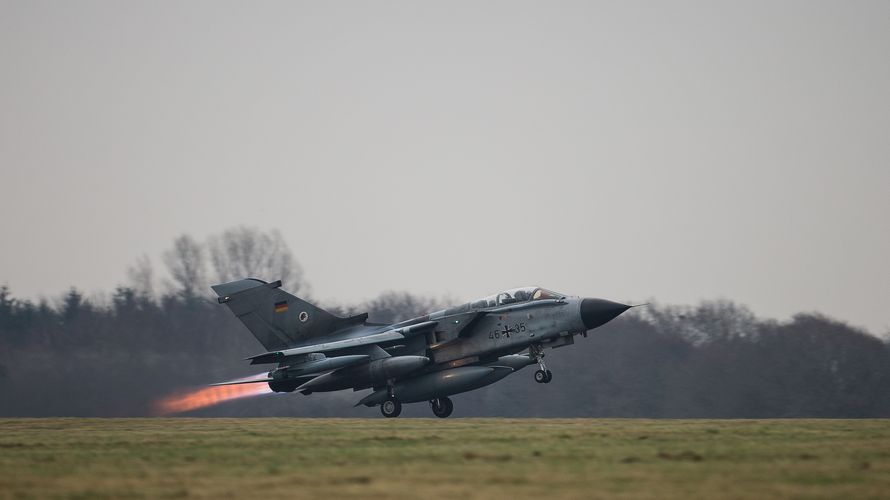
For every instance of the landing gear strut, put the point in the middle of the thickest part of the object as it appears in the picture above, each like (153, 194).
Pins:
(543, 375)
(442, 407)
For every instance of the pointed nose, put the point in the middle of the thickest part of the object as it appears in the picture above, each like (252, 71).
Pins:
(598, 312)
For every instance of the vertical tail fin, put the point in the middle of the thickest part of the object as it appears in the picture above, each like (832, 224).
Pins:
(276, 318)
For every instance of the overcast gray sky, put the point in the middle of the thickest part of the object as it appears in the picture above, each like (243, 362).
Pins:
(630, 150)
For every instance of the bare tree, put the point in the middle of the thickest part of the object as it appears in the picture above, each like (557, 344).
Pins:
(187, 266)
(709, 321)
(396, 306)
(141, 277)
(243, 252)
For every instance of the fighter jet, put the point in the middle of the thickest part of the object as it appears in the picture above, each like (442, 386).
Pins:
(425, 359)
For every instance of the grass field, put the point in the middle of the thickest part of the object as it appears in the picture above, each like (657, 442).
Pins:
(455, 458)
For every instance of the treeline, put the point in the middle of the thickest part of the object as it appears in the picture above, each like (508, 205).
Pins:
(84, 356)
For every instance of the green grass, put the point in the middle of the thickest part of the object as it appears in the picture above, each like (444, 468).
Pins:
(454, 458)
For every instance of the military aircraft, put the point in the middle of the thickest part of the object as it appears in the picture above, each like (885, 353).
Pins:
(428, 358)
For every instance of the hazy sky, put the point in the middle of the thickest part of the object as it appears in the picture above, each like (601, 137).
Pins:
(669, 150)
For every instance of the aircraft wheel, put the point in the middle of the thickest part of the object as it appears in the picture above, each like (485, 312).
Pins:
(541, 377)
(442, 407)
(391, 408)
(549, 377)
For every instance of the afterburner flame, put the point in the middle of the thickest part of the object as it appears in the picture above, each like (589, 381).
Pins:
(208, 396)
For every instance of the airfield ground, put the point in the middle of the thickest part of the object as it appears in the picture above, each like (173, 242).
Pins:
(454, 458)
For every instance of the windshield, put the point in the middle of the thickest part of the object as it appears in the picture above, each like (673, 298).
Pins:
(515, 295)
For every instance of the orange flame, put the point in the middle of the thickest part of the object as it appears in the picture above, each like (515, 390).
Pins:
(207, 396)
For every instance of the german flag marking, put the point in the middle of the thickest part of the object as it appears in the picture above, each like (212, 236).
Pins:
(281, 307)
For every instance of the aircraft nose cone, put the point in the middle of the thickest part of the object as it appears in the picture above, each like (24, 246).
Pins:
(598, 312)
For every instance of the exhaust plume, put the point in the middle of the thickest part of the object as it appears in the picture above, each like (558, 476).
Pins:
(181, 402)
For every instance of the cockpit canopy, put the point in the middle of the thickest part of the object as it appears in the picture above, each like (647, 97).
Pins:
(515, 295)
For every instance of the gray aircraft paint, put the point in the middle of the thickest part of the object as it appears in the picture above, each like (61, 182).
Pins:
(423, 359)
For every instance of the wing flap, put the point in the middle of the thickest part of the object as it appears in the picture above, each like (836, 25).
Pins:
(376, 338)
(276, 356)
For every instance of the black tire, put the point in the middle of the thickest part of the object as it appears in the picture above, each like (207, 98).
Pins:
(549, 377)
(442, 407)
(391, 408)
(541, 377)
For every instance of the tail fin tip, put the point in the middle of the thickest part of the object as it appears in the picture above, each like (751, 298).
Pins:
(225, 291)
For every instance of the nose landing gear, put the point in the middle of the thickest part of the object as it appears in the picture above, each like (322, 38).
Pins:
(543, 375)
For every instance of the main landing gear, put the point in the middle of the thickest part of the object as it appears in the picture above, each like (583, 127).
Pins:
(442, 407)
(391, 408)
(543, 375)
